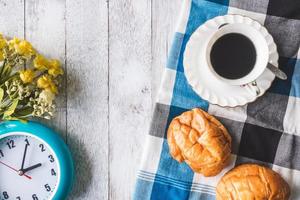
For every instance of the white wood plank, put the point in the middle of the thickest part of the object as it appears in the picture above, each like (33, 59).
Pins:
(164, 20)
(45, 29)
(84, 114)
(12, 18)
(130, 90)
(87, 95)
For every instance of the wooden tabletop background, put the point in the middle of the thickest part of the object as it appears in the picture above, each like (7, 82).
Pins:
(114, 52)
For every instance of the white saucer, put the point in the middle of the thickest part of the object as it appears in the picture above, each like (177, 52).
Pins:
(205, 83)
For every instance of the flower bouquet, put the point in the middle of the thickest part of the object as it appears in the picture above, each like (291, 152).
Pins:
(28, 81)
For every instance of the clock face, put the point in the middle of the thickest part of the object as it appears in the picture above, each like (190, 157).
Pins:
(28, 168)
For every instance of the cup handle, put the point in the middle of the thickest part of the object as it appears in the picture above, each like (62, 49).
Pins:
(252, 88)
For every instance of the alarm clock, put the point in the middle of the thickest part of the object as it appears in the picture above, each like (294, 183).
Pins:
(35, 163)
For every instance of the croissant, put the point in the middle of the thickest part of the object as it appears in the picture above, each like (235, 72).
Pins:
(251, 181)
(200, 140)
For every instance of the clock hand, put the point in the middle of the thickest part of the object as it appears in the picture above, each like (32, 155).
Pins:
(24, 156)
(30, 168)
(29, 177)
(8, 166)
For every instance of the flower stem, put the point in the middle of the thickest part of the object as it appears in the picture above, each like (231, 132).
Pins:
(2, 67)
(9, 78)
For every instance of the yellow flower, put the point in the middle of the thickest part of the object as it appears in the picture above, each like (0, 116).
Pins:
(27, 75)
(40, 62)
(45, 82)
(13, 42)
(47, 96)
(55, 68)
(3, 42)
(1, 55)
(24, 48)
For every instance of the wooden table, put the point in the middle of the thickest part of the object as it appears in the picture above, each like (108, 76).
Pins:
(114, 52)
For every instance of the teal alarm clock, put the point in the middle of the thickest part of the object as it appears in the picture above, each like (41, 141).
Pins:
(35, 163)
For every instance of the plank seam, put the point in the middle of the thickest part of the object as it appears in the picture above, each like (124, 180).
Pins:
(66, 73)
(24, 17)
(108, 104)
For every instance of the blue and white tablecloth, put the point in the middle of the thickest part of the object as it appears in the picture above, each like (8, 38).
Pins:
(266, 131)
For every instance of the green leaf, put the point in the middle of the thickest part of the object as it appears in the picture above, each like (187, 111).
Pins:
(1, 94)
(8, 70)
(2, 68)
(5, 69)
(11, 109)
(15, 118)
(23, 111)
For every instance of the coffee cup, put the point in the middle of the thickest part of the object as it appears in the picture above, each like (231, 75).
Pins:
(238, 54)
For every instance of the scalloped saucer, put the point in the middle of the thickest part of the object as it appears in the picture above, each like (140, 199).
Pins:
(205, 83)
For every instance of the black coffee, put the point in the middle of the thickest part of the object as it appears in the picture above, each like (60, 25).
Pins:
(233, 56)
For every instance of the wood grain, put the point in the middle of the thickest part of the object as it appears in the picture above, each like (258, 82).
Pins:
(45, 29)
(164, 19)
(87, 95)
(114, 53)
(12, 18)
(130, 90)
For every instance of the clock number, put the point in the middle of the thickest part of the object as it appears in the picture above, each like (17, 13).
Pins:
(27, 142)
(53, 173)
(48, 188)
(51, 158)
(18, 198)
(34, 197)
(11, 144)
(5, 195)
(42, 147)
(1, 154)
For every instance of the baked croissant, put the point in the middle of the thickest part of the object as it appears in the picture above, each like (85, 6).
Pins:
(251, 181)
(200, 140)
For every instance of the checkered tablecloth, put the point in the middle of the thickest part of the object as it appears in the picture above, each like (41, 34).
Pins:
(266, 131)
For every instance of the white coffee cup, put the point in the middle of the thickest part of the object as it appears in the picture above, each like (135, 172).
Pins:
(262, 54)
